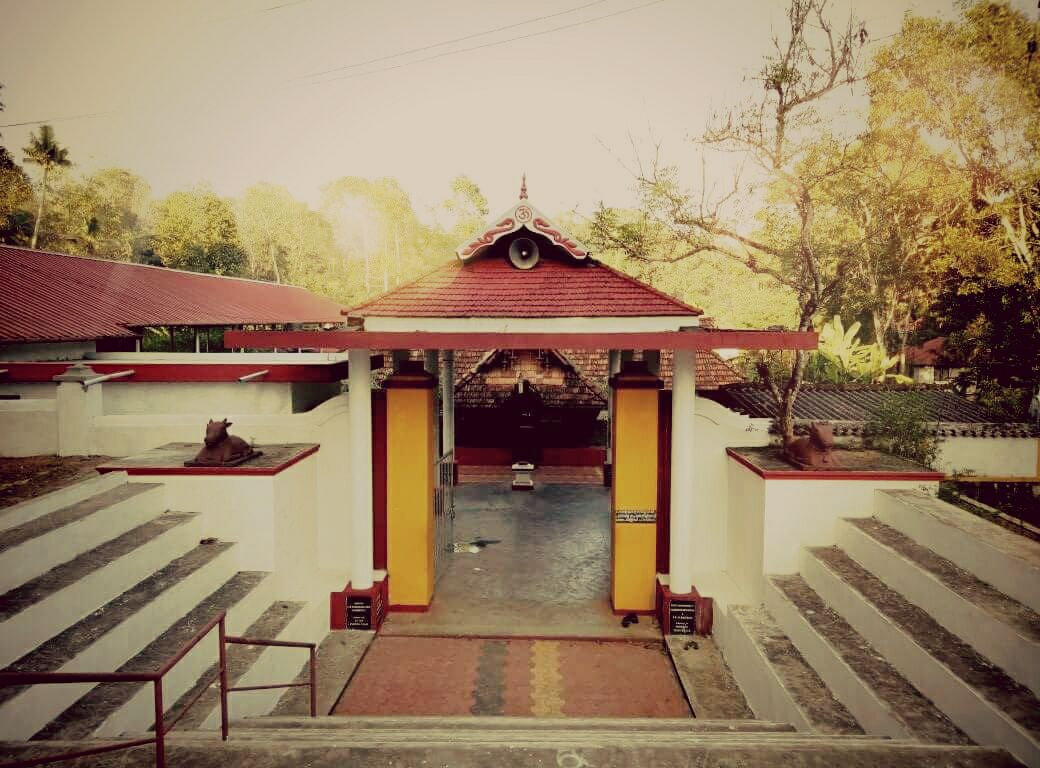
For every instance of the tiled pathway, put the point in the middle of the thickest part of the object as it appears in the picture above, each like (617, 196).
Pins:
(514, 677)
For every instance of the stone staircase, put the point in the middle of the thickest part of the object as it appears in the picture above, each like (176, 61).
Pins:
(102, 577)
(279, 742)
(921, 623)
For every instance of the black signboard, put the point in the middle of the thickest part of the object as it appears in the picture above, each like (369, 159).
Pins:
(359, 612)
(682, 617)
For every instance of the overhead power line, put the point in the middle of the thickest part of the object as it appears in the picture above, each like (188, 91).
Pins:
(453, 40)
(489, 45)
(54, 120)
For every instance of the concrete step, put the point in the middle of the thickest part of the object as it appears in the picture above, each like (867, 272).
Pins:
(117, 708)
(16, 514)
(601, 749)
(1009, 562)
(880, 698)
(1002, 629)
(105, 639)
(34, 547)
(979, 697)
(777, 681)
(685, 725)
(50, 603)
(273, 623)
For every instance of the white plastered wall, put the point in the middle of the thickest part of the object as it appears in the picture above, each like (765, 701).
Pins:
(990, 456)
(216, 399)
(327, 425)
(716, 429)
(771, 521)
(28, 427)
(272, 519)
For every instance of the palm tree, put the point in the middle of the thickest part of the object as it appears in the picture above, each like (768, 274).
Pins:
(44, 151)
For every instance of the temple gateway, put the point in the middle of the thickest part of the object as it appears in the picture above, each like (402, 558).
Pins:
(403, 518)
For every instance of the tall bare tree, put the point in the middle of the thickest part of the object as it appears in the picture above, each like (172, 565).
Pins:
(784, 136)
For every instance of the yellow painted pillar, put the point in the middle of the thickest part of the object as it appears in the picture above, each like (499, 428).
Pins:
(633, 573)
(409, 486)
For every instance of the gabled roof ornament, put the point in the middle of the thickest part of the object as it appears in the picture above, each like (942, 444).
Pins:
(523, 215)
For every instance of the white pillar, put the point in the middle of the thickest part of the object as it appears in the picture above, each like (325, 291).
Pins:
(613, 366)
(360, 398)
(76, 407)
(680, 577)
(448, 400)
(431, 362)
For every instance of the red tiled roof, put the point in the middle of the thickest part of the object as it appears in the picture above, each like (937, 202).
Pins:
(55, 297)
(474, 390)
(931, 352)
(490, 287)
(712, 371)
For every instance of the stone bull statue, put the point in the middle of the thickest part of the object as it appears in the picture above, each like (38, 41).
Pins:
(221, 449)
(815, 451)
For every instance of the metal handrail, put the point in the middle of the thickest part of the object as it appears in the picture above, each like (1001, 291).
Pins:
(313, 666)
(107, 377)
(254, 375)
(156, 679)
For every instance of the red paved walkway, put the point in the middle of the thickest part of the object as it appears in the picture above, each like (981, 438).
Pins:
(541, 678)
(478, 473)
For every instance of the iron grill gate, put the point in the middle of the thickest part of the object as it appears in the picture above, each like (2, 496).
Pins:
(443, 513)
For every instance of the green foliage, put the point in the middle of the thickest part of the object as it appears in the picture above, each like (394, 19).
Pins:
(727, 291)
(900, 426)
(1010, 404)
(15, 194)
(842, 358)
(970, 90)
(104, 214)
(196, 231)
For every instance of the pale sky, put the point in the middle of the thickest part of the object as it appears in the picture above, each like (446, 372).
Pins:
(199, 91)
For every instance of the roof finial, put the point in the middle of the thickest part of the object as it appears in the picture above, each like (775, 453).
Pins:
(523, 187)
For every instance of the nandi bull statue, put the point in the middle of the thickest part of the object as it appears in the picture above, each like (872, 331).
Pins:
(815, 451)
(221, 449)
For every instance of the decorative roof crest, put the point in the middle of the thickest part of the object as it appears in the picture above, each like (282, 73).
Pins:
(523, 215)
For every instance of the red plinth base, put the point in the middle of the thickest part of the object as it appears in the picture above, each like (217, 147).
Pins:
(685, 614)
(358, 608)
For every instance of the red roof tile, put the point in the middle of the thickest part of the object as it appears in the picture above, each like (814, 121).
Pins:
(931, 352)
(712, 371)
(55, 297)
(491, 287)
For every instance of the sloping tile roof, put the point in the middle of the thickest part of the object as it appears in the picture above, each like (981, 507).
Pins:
(474, 390)
(849, 407)
(56, 297)
(931, 352)
(492, 287)
(712, 371)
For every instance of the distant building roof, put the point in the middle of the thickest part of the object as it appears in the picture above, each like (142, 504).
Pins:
(929, 353)
(54, 297)
(555, 287)
(850, 406)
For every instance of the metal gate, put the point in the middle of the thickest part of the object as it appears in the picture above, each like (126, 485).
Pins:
(443, 513)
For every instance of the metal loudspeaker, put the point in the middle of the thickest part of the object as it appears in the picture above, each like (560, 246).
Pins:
(523, 253)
